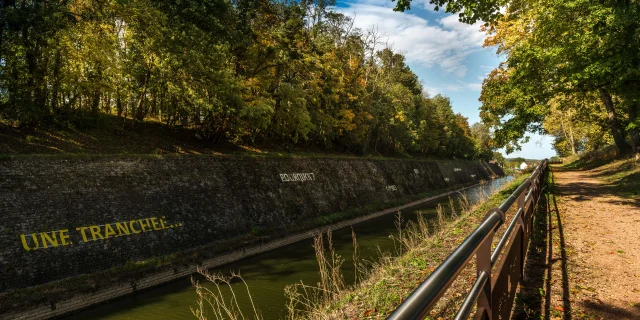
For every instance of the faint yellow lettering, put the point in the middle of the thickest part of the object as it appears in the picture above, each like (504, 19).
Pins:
(84, 235)
(122, 228)
(24, 242)
(64, 236)
(95, 233)
(154, 223)
(108, 231)
(146, 225)
(132, 228)
(162, 222)
(51, 240)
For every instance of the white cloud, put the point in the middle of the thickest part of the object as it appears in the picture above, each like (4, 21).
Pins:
(475, 86)
(445, 43)
(458, 87)
(377, 3)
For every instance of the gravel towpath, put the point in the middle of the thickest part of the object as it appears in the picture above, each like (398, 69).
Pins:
(591, 268)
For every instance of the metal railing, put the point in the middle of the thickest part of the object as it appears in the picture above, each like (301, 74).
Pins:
(498, 272)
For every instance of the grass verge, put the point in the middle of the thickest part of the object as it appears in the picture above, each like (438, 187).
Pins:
(110, 135)
(387, 282)
(621, 176)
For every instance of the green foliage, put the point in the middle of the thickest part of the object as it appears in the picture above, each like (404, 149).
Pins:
(469, 11)
(499, 158)
(577, 123)
(240, 71)
(572, 65)
(483, 141)
(555, 159)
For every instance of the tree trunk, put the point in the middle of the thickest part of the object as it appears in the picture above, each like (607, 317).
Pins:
(97, 80)
(572, 140)
(140, 112)
(634, 131)
(41, 80)
(568, 135)
(616, 132)
(56, 81)
(31, 66)
(106, 103)
(95, 102)
(118, 104)
(5, 5)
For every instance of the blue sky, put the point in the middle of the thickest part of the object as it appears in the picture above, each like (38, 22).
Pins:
(446, 54)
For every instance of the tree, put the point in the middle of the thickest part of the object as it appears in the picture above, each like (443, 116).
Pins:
(482, 141)
(508, 109)
(238, 71)
(577, 124)
(499, 158)
(569, 48)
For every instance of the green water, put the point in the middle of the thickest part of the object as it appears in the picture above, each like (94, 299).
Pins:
(267, 274)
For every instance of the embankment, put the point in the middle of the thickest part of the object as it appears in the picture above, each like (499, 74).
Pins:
(388, 283)
(64, 217)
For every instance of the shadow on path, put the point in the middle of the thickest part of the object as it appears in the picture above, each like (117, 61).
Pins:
(554, 287)
(534, 300)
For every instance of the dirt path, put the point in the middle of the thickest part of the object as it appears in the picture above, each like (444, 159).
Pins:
(591, 268)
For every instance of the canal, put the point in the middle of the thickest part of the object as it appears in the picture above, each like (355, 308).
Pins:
(269, 273)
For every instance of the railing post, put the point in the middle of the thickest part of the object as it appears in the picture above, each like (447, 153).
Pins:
(483, 264)
(523, 226)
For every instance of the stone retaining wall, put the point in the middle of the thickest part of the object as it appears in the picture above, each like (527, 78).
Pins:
(64, 217)
(82, 301)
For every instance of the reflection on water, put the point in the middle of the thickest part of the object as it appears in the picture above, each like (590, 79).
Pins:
(267, 274)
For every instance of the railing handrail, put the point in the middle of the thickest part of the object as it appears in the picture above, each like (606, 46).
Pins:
(422, 299)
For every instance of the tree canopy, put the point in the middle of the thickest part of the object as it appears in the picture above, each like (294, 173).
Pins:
(469, 11)
(243, 71)
(572, 70)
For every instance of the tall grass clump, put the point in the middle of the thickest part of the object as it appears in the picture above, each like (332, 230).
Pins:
(304, 299)
(420, 246)
(217, 304)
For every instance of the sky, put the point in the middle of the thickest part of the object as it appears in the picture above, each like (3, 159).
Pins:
(447, 55)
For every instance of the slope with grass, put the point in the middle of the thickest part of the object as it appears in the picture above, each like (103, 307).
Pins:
(111, 135)
(386, 283)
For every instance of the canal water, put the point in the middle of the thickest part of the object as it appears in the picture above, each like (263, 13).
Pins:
(269, 273)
